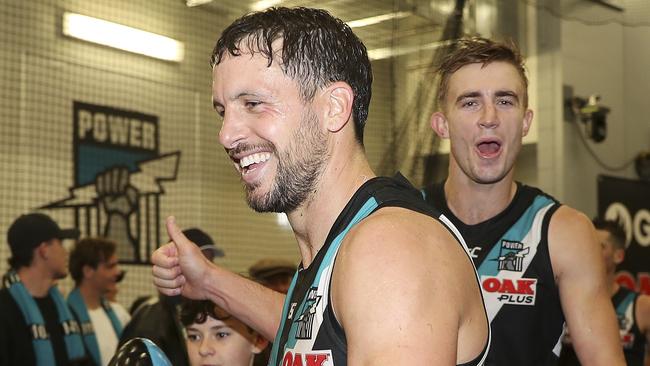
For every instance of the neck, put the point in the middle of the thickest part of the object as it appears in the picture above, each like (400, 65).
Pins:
(312, 221)
(473, 202)
(36, 280)
(91, 296)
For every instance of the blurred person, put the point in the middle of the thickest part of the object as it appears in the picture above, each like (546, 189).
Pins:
(95, 270)
(36, 326)
(274, 273)
(536, 257)
(156, 317)
(632, 308)
(122, 314)
(214, 337)
(293, 89)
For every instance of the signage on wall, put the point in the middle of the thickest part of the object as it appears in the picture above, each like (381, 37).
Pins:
(119, 175)
(627, 201)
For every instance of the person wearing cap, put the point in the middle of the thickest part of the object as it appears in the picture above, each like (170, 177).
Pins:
(94, 269)
(36, 326)
(156, 317)
(274, 273)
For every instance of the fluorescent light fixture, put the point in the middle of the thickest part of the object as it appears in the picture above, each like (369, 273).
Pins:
(264, 4)
(388, 52)
(191, 3)
(378, 19)
(120, 36)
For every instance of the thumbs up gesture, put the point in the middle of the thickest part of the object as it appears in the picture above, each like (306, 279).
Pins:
(179, 267)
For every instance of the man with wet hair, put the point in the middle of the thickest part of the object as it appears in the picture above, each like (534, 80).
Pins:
(536, 258)
(292, 87)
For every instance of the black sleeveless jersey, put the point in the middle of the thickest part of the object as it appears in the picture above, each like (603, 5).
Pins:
(632, 340)
(309, 333)
(511, 254)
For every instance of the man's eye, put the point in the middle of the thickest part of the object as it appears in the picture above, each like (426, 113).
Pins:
(252, 104)
(222, 334)
(469, 103)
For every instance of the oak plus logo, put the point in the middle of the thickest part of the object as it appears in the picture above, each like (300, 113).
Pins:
(118, 178)
(309, 358)
(513, 291)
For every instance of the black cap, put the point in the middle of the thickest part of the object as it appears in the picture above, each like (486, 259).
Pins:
(30, 230)
(203, 241)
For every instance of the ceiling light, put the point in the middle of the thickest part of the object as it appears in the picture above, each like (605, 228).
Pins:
(388, 52)
(192, 3)
(264, 4)
(378, 19)
(120, 36)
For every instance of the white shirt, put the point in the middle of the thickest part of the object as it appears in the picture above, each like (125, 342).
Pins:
(105, 334)
(122, 315)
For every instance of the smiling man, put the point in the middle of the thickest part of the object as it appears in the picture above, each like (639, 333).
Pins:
(382, 280)
(536, 258)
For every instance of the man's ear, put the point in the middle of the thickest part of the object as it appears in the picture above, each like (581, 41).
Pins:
(528, 120)
(87, 271)
(439, 125)
(339, 98)
(41, 250)
(619, 256)
(259, 343)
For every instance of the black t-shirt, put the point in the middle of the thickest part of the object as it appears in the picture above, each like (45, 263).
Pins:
(15, 338)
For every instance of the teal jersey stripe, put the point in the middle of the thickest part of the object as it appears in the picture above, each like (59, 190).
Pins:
(623, 305)
(490, 265)
(367, 208)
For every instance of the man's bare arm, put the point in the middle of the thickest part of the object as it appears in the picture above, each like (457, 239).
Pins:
(579, 272)
(400, 291)
(643, 322)
(181, 269)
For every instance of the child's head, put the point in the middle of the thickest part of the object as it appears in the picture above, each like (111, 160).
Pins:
(215, 337)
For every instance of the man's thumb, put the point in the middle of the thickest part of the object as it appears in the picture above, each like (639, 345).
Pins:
(176, 235)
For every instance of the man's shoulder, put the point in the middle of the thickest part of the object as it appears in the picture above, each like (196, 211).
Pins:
(401, 235)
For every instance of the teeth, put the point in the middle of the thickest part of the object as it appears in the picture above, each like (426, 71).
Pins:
(254, 158)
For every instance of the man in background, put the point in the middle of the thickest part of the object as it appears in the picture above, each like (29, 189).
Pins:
(156, 318)
(94, 269)
(632, 309)
(36, 326)
(274, 273)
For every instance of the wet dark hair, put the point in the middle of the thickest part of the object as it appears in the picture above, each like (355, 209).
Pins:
(478, 50)
(615, 230)
(89, 252)
(317, 49)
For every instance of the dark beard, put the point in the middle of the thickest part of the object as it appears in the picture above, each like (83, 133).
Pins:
(299, 169)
